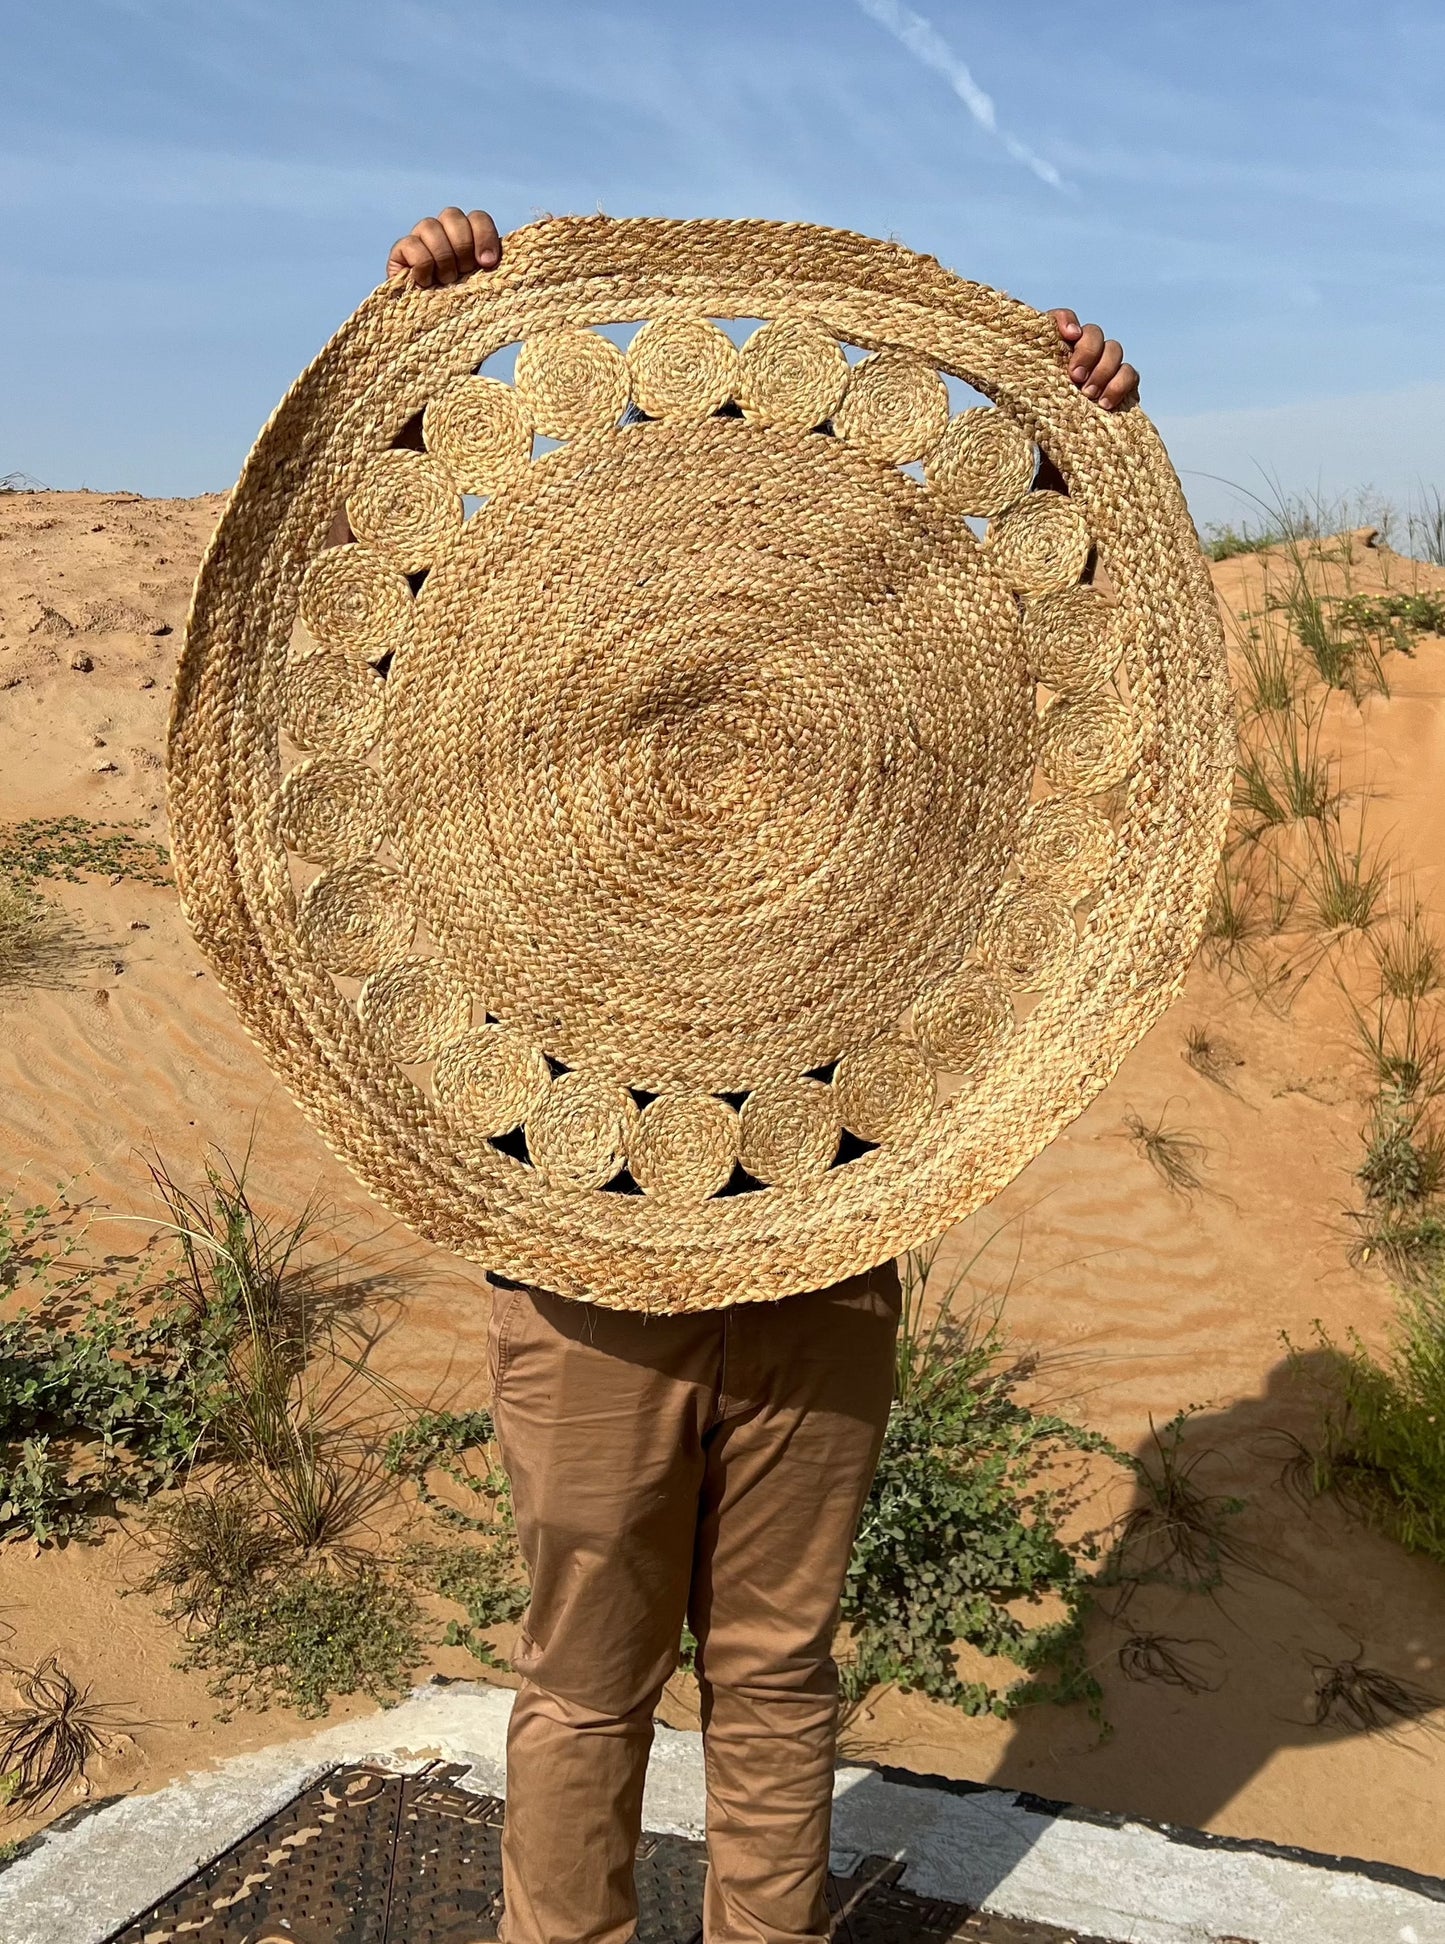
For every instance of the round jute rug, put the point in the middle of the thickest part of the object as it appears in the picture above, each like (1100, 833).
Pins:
(721, 815)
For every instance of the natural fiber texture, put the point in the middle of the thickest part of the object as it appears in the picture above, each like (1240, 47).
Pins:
(480, 431)
(895, 407)
(491, 1080)
(731, 909)
(983, 463)
(1071, 639)
(356, 919)
(684, 1146)
(332, 704)
(571, 382)
(788, 1131)
(791, 375)
(407, 508)
(357, 600)
(682, 368)
(331, 809)
(1065, 845)
(1039, 546)
(962, 1022)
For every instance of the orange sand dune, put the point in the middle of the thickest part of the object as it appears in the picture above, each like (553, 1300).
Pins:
(1141, 1302)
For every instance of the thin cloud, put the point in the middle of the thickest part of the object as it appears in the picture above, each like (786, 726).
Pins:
(923, 40)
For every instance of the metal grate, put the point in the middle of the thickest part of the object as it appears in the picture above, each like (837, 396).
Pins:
(365, 1857)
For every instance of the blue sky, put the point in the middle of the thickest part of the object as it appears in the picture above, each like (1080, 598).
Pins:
(194, 193)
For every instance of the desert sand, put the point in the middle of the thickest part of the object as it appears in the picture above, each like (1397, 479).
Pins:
(1140, 1302)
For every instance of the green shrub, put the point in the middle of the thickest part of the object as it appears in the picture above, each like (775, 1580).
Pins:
(485, 1580)
(106, 1394)
(306, 1634)
(1393, 621)
(1224, 542)
(963, 1522)
(64, 847)
(438, 1441)
(1383, 1446)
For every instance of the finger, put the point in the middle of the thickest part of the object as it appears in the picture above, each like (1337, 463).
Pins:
(1086, 353)
(1107, 363)
(1068, 323)
(1122, 389)
(440, 244)
(410, 255)
(486, 244)
(459, 235)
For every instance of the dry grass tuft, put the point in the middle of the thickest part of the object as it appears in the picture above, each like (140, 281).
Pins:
(38, 945)
(1211, 1057)
(1175, 1155)
(1408, 956)
(1179, 1534)
(1363, 1699)
(1347, 885)
(48, 1741)
(1155, 1657)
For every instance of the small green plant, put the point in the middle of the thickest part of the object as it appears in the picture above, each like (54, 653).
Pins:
(962, 1524)
(1401, 1044)
(307, 1634)
(213, 1546)
(440, 1441)
(66, 847)
(107, 1394)
(1382, 1441)
(1235, 924)
(1392, 621)
(1179, 1534)
(1404, 1162)
(1408, 956)
(485, 1580)
(278, 1427)
(1347, 884)
(1344, 653)
(49, 1739)
(1269, 682)
(1409, 1243)
(1284, 774)
(1224, 542)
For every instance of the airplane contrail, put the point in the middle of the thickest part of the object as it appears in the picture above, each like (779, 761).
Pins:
(923, 40)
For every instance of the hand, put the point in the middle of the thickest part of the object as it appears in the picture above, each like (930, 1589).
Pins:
(443, 249)
(1096, 363)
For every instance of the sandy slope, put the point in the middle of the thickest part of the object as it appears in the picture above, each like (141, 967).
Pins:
(1141, 1302)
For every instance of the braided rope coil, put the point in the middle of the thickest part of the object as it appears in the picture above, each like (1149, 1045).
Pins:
(708, 868)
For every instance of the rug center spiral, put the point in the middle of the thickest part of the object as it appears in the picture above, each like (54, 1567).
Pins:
(708, 751)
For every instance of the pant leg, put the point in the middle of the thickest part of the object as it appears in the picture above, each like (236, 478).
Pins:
(600, 1418)
(807, 1387)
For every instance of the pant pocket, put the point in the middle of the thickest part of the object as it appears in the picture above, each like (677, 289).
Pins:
(499, 1336)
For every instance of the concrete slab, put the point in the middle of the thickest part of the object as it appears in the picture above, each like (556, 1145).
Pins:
(989, 1848)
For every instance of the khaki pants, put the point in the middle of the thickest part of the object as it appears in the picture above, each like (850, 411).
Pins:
(709, 1468)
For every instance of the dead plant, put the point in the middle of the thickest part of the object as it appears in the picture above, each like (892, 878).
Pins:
(1364, 1699)
(1212, 1058)
(1179, 1534)
(49, 1740)
(1175, 1155)
(1155, 1657)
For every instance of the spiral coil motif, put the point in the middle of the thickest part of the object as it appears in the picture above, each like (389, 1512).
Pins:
(696, 807)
